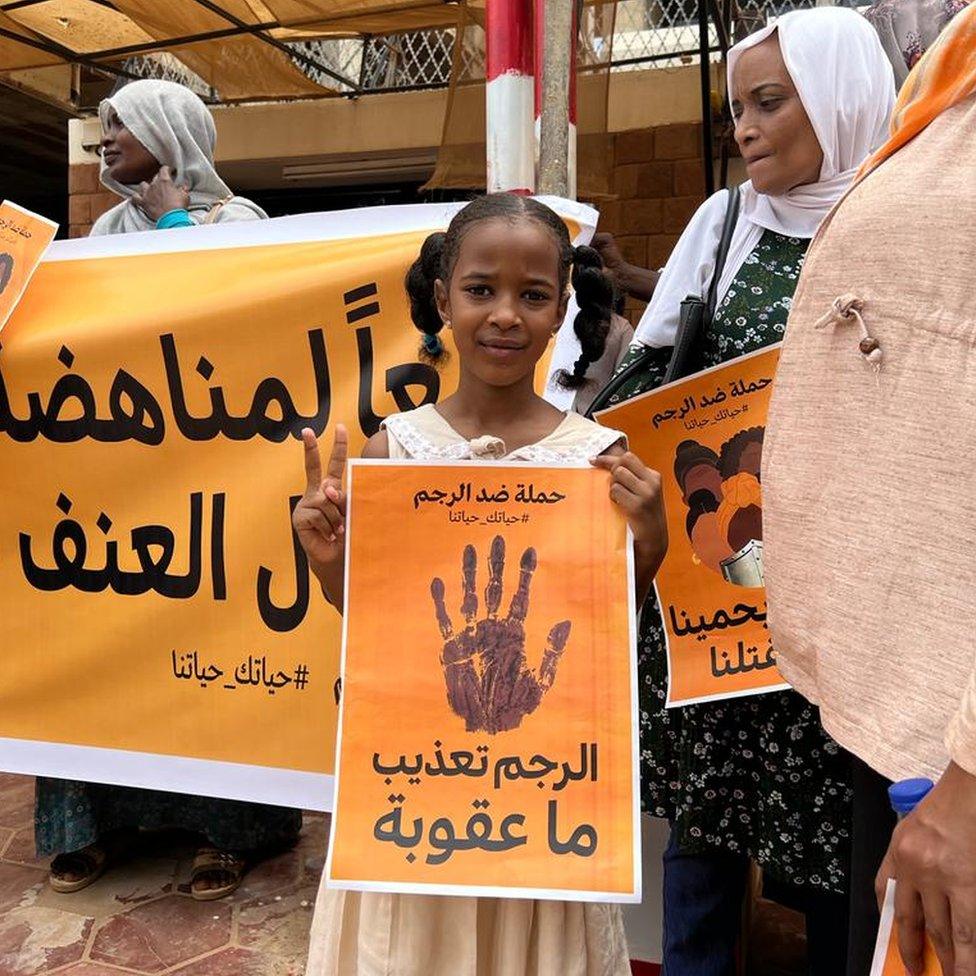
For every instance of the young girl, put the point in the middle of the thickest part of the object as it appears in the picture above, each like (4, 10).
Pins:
(498, 279)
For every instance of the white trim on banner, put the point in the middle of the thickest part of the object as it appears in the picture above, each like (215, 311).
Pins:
(173, 774)
(297, 229)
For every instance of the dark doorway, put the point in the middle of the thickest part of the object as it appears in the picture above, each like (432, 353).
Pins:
(34, 162)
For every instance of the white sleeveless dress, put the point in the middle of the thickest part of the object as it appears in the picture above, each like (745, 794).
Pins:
(374, 934)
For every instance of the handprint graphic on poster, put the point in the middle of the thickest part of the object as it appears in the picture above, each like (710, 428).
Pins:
(489, 682)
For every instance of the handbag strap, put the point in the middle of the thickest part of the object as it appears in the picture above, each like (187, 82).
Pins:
(638, 365)
(215, 209)
(602, 398)
(724, 243)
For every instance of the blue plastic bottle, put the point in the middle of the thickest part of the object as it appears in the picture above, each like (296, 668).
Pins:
(907, 794)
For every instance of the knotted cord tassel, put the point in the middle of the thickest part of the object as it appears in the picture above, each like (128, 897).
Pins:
(843, 311)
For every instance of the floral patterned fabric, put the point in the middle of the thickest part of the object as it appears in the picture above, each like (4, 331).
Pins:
(756, 775)
(908, 27)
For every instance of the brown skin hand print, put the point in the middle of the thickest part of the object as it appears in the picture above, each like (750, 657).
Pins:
(489, 682)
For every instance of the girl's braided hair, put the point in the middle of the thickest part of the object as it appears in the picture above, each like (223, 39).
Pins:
(582, 265)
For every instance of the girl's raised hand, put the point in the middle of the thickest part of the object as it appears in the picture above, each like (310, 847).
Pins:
(320, 517)
(636, 489)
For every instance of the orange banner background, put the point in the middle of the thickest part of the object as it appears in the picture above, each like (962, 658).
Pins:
(250, 319)
(395, 692)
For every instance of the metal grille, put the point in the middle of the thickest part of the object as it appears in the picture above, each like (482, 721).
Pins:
(647, 33)
(344, 56)
(664, 33)
(420, 59)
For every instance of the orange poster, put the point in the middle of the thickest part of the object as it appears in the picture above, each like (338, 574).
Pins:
(24, 237)
(488, 734)
(887, 959)
(704, 434)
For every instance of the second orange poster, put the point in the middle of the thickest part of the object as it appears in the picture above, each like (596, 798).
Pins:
(705, 436)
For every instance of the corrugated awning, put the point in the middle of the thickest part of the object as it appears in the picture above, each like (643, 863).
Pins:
(238, 47)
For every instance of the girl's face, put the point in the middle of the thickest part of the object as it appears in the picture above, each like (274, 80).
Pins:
(777, 141)
(126, 158)
(503, 301)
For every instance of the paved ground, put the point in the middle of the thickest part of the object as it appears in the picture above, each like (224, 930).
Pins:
(139, 919)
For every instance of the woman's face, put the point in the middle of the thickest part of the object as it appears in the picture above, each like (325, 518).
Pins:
(777, 141)
(127, 160)
(503, 301)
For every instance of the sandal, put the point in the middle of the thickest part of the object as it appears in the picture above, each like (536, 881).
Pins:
(211, 861)
(89, 863)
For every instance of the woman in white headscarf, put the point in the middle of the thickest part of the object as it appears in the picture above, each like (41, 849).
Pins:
(757, 777)
(157, 152)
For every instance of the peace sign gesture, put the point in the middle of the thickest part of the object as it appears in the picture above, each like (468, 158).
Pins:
(320, 517)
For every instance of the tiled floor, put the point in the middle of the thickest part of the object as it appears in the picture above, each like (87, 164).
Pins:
(140, 919)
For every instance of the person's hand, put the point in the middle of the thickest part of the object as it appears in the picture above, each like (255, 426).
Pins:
(932, 858)
(606, 245)
(161, 195)
(320, 517)
(636, 489)
(637, 282)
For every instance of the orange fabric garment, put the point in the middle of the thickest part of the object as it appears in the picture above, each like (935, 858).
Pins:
(943, 78)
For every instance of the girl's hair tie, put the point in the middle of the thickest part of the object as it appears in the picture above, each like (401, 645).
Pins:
(432, 344)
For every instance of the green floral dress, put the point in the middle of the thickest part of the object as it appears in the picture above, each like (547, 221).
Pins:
(755, 775)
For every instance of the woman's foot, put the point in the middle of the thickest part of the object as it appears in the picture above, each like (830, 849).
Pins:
(75, 870)
(215, 874)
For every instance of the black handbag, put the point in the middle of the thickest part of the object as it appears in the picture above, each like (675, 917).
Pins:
(695, 319)
(697, 314)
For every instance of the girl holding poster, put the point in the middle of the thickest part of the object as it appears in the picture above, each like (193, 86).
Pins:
(757, 777)
(499, 280)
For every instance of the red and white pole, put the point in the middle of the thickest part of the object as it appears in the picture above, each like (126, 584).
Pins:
(540, 57)
(509, 92)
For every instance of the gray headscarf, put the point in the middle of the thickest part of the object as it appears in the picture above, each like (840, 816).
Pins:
(178, 129)
(907, 28)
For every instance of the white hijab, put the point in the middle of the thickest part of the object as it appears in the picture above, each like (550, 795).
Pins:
(847, 88)
(178, 129)
(846, 85)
